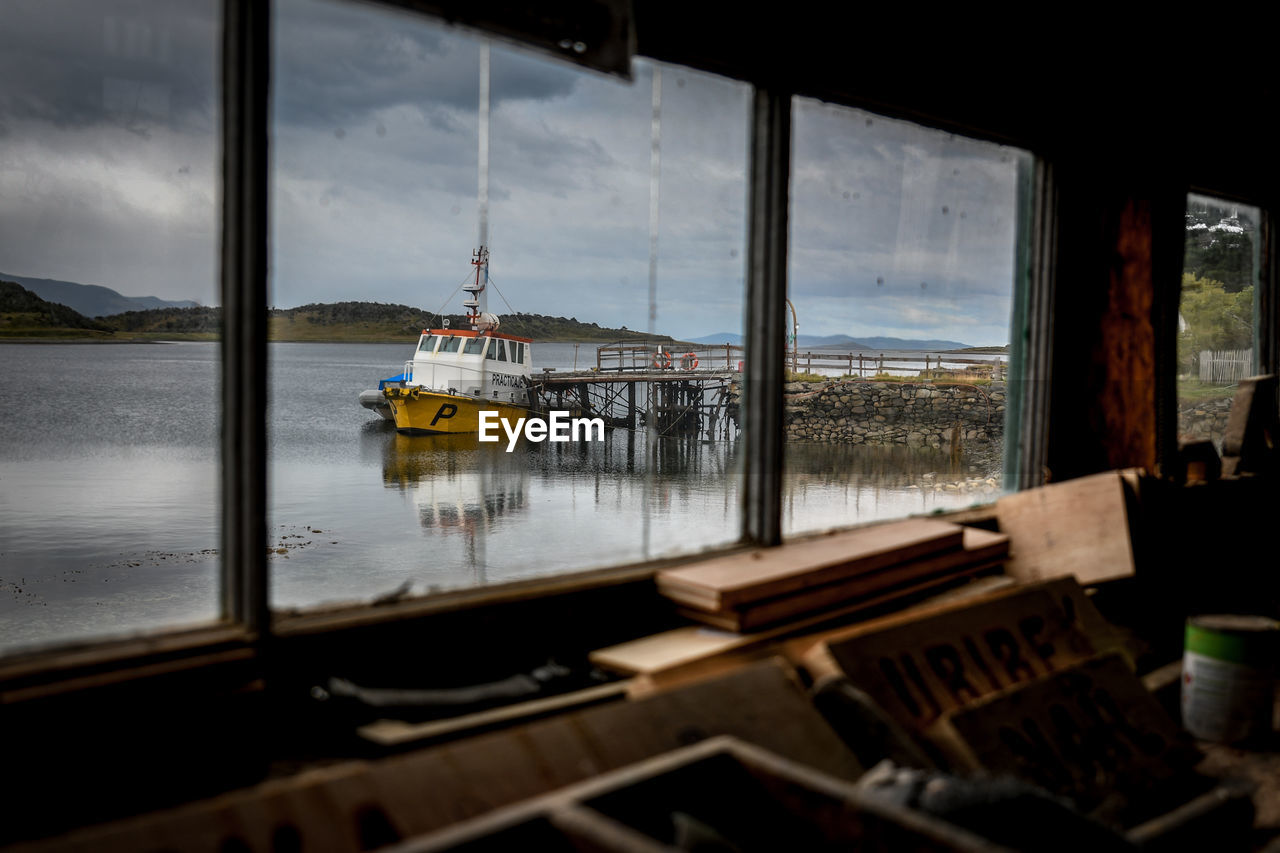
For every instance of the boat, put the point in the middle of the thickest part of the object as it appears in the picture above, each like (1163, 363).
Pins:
(376, 401)
(455, 374)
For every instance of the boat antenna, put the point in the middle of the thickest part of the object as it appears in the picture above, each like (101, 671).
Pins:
(475, 288)
(482, 156)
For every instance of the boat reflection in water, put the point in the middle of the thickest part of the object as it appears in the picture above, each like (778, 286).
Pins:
(485, 515)
(461, 487)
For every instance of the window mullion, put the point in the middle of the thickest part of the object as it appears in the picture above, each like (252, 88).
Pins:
(1030, 387)
(770, 161)
(245, 77)
(1267, 357)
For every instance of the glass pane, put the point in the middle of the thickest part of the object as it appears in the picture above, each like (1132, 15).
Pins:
(109, 175)
(376, 181)
(1216, 328)
(901, 286)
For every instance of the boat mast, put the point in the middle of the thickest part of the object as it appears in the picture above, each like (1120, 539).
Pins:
(475, 289)
(478, 302)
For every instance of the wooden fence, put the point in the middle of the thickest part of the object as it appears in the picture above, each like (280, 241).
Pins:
(1225, 367)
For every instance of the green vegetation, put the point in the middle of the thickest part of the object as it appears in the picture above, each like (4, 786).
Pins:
(1195, 391)
(804, 377)
(23, 314)
(1219, 255)
(1216, 319)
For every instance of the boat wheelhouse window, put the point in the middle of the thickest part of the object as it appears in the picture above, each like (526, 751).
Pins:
(474, 346)
(428, 343)
(497, 349)
(517, 352)
(450, 344)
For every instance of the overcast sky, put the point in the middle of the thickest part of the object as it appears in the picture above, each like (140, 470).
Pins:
(108, 175)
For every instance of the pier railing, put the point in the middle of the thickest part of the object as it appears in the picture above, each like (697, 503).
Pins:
(871, 364)
(646, 356)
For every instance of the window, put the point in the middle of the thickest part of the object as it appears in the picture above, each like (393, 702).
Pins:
(623, 204)
(377, 165)
(429, 343)
(901, 281)
(109, 177)
(1217, 314)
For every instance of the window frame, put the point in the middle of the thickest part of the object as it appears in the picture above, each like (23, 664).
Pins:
(245, 126)
(247, 620)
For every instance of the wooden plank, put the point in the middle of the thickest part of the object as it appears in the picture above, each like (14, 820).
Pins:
(758, 703)
(923, 667)
(681, 646)
(752, 618)
(731, 581)
(1083, 732)
(398, 732)
(669, 648)
(1078, 528)
(981, 550)
(747, 792)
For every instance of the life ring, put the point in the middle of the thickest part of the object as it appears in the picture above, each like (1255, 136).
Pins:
(662, 360)
(689, 361)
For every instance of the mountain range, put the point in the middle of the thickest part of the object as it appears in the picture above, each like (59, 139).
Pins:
(877, 343)
(92, 300)
(373, 320)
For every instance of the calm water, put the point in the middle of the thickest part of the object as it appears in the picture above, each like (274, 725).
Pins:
(109, 489)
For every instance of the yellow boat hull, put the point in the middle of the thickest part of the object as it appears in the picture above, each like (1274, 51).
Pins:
(418, 411)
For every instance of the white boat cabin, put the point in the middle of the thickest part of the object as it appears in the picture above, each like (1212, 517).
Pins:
(486, 365)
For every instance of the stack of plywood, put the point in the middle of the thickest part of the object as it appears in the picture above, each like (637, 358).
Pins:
(841, 572)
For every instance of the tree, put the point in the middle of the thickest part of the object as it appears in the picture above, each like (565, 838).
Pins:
(1216, 319)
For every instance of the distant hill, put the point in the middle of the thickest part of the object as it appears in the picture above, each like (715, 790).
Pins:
(877, 343)
(24, 314)
(371, 322)
(374, 321)
(92, 300)
(882, 343)
(732, 338)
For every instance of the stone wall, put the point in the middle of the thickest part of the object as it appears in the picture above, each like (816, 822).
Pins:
(855, 411)
(1204, 419)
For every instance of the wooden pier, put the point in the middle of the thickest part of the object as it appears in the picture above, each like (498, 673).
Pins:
(680, 402)
(694, 391)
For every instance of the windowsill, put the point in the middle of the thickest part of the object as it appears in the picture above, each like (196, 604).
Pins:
(45, 673)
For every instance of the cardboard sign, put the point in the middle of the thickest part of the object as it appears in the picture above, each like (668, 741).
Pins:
(1085, 732)
(919, 669)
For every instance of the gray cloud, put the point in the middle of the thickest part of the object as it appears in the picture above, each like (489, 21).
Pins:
(137, 65)
(337, 64)
(109, 175)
